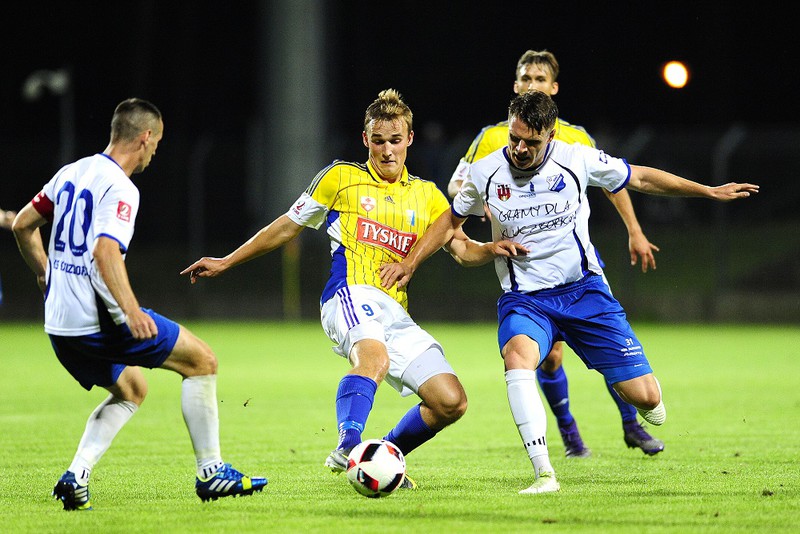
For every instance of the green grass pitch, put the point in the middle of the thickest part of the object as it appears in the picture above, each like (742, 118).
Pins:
(732, 458)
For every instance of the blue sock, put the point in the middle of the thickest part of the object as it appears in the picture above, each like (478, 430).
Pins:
(353, 404)
(556, 391)
(411, 431)
(627, 411)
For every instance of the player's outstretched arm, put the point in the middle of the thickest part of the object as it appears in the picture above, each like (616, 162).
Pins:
(657, 182)
(470, 253)
(638, 245)
(274, 235)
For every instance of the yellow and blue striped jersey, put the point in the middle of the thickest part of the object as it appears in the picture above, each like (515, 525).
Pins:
(493, 137)
(370, 221)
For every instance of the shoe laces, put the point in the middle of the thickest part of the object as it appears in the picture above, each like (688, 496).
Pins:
(227, 472)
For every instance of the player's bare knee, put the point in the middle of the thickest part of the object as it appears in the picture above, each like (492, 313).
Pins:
(449, 406)
(205, 362)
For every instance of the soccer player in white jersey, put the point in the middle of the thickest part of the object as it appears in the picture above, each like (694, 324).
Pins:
(554, 288)
(539, 70)
(98, 331)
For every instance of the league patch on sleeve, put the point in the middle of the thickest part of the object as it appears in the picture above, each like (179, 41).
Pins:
(124, 211)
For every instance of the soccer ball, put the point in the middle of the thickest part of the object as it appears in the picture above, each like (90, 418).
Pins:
(376, 467)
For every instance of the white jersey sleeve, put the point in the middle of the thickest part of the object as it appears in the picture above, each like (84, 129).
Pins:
(308, 212)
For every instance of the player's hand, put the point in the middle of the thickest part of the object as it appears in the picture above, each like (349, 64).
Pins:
(204, 268)
(7, 218)
(41, 281)
(395, 273)
(641, 248)
(142, 326)
(508, 249)
(733, 191)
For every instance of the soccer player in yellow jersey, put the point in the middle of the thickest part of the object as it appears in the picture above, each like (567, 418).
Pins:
(539, 70)
(374, 212)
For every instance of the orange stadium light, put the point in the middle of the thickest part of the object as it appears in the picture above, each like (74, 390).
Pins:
(675, 74)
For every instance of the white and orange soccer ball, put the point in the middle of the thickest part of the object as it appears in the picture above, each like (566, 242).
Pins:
(376, 467)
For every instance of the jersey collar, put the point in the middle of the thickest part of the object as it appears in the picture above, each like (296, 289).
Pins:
(516, 172)
(374, 174)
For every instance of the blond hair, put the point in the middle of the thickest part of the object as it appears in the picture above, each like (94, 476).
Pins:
(389, 106)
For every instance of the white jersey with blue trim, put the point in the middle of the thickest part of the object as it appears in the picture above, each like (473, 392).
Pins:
(544, 209)
(87, 199)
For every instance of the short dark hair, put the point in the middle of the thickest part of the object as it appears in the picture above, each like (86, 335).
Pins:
(534, 108)
(132, 117)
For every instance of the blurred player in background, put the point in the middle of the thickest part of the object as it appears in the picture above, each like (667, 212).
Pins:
(97, 329)
(554, 287)
(374, 213)
(539, 70)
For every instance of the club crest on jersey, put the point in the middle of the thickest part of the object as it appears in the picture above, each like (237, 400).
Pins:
(368, 203)
(503, 191)
(124, 211)
(383, 236)
(556, 183)
(411, 216)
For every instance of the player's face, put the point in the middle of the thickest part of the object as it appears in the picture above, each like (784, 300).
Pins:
(150, 146)
(388, 143)
(526, 146)
(532, 76)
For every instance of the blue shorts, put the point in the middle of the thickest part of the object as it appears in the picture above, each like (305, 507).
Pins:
(586, 316)
(98, 359)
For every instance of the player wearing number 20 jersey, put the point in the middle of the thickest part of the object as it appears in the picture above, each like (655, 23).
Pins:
(90, 198)
(370, 221)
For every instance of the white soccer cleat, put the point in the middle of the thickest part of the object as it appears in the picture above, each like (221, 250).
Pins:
(546, 483)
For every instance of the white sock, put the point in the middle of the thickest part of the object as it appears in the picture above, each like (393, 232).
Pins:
(657, 415)
(200, 412)
(529, 415)
(103, 425)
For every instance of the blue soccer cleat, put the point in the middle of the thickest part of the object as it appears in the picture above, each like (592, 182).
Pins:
(227, 482)
(637, 437)
(71, 494)
(573, 444)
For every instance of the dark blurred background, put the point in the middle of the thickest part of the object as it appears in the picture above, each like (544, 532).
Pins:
(258, 96)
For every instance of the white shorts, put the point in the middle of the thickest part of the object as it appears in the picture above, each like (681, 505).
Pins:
(364, 312)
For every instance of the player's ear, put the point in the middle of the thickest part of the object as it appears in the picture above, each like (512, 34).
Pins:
(410, 137)
(144, 137)
(554, 90)
(364, 138)
(516, 87)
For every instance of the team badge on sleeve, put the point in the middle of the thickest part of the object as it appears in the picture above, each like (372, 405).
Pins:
(124, 211)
